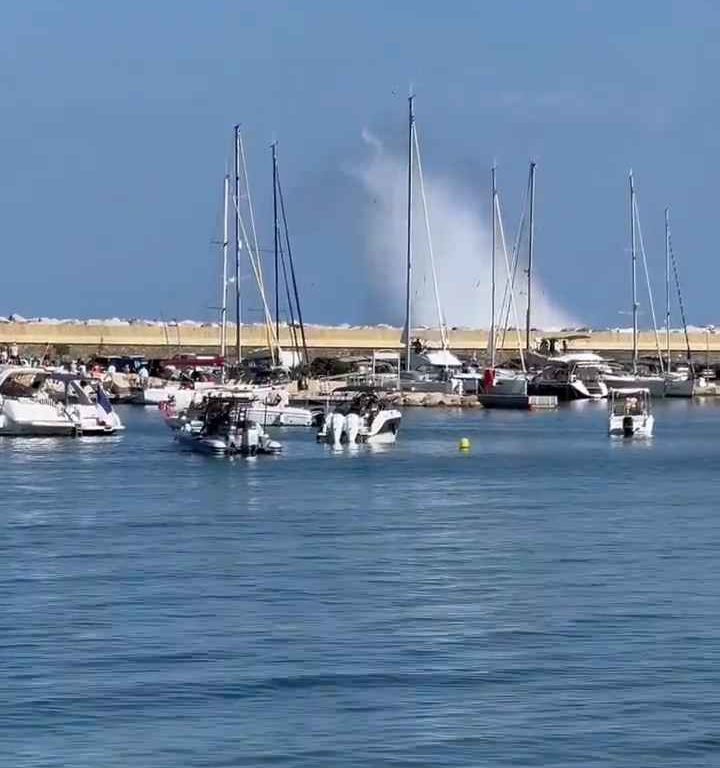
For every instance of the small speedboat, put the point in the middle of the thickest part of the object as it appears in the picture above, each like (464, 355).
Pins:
(366, 419)
(225, 428)
(629, 413)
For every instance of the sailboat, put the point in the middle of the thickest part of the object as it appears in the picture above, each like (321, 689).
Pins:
(502, 387)
(438, 362)
(636, 379)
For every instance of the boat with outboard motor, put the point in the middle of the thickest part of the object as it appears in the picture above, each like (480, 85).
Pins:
(366, 419)
(44, 402)
(224, 427)
(629, 413)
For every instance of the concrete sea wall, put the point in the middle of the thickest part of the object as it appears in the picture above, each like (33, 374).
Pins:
(79, 338)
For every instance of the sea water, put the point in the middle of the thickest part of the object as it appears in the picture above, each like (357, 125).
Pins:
(551, 597)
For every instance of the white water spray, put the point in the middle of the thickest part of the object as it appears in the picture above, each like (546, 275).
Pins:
(461, 242)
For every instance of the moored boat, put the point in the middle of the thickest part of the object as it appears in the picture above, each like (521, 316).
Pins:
(41, 402)
(571, 377)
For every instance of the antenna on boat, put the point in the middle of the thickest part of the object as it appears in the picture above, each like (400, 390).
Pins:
(238, 312)
(408, 285)
(493, 197)
(531, 238)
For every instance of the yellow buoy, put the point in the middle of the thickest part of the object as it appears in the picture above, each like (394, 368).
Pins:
(464, 444)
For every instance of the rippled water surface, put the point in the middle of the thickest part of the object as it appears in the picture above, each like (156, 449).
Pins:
(550, 598)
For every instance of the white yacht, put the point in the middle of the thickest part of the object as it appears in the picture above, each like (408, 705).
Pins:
(578, 376)
(629, 413)
(366, 419)
(41, 402)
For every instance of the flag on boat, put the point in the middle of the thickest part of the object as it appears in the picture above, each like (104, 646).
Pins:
(104, 408)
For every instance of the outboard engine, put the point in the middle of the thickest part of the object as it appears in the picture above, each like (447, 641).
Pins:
(353, 422)
(628, 426)
(337, 425)
(250, 438)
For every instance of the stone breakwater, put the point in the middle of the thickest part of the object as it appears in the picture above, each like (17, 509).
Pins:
(165, 340)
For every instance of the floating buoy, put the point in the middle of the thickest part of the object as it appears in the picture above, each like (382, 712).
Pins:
(464, 444)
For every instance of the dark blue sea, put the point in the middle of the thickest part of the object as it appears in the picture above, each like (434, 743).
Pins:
(551, 598)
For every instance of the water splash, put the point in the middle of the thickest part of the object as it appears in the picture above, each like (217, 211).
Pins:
(461, 240)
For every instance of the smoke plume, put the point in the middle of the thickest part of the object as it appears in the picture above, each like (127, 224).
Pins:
(461, 245)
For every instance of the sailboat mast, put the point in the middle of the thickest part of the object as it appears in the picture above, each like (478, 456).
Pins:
(223, 303)
(277, 250)
(531, 238)
(493, 197)
(408, 284)
(634, 275)
(238, 309)
(667, 286)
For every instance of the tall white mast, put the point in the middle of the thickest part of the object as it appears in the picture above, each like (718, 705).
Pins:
(492, 270)
(667, 286)
(634, 275)
(431, 251)
(531, 245)
(238, 241)
(408, 278)
(223, 302)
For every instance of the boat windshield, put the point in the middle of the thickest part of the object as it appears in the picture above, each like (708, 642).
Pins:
(632, 405)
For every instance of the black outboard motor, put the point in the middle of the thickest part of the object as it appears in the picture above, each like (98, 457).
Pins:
(628, 426)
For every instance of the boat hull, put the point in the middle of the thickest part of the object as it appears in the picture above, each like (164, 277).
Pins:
(564, 391)
(655, 384)
(632, 426)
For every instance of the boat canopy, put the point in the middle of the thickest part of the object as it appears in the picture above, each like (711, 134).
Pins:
(440, 358)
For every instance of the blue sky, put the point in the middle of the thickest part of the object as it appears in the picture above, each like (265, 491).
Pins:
(117, 121)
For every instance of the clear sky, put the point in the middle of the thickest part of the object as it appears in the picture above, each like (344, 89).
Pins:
(117, 118)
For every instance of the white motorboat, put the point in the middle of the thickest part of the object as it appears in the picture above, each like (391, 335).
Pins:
(365, 420)
(181, 394)
(41, 402)
(267, 406)
(629, 413)
(579, 376)
(225, 428)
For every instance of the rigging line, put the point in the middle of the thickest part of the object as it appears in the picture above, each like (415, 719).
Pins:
(252, 259)
(441, 319)
(293, 329)
(680, 302)
(296, 293)
(246, 180)
(512, 296)
(510, 277)
(647, 282)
